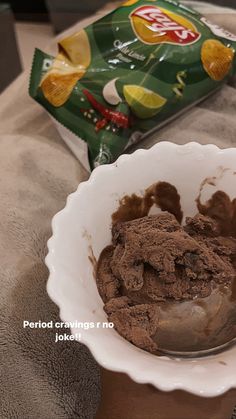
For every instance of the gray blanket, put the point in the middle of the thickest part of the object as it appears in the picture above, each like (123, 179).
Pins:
(40, 379)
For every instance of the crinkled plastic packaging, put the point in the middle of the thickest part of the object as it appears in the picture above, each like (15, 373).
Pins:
(129, 73)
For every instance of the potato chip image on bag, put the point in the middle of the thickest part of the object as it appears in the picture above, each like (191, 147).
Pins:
(67, 68)
(129, 73)
(57, 87)
(77, 48)
(217, 59)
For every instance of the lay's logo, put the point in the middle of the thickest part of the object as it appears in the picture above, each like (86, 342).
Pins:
(155, 25)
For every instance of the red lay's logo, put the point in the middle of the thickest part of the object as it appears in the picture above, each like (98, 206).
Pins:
(155, 25)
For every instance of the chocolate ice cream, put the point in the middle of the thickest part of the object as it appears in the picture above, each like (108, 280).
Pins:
(154, 262)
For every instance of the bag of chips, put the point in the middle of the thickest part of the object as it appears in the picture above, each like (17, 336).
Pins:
(128, 73)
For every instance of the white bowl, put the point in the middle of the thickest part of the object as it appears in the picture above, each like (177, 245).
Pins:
(85, 223)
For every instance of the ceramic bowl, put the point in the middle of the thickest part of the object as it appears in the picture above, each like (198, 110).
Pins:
(83, 228)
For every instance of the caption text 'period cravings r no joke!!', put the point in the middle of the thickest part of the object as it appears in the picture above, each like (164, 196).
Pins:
(67, 325)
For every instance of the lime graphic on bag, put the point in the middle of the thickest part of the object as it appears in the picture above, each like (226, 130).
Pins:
(144, 103)
(129, 72)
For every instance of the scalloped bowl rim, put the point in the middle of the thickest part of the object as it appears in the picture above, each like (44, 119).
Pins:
(160, 382)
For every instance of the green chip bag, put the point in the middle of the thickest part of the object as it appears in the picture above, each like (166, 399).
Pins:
(128, 73)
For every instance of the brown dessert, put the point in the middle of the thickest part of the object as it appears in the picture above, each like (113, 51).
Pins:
(154, 262)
